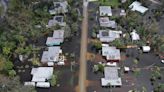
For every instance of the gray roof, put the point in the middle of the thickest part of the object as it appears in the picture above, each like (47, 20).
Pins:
(52, 55)
(105, 10)
(56, 20)
(111, 53)
(111, 73)
(59, 7)
(105, 22)
(108, 35)
(57, 39)
(111, 77)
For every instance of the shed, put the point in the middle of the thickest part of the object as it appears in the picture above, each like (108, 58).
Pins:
(43, 84)
(126, 69)
(146, 48)
(134, 35)
(29, 84)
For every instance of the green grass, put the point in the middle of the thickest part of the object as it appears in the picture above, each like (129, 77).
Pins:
(113, 3)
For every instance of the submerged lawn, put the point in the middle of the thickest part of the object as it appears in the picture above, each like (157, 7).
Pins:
(113, 3)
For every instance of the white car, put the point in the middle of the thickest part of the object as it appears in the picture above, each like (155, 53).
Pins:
(162, 61)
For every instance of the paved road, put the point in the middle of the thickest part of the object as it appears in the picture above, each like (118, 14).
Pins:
(83, 50)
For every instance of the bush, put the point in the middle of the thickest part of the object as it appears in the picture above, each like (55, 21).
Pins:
(53, 81)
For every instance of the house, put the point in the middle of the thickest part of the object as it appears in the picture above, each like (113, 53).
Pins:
(145, 48)
(59, 7)
(53, 55)
(105, 22)
(57, 20)
(105, 11)
(136, 6)
(41, 74)
(111, 53)
(57, 39)
(112, 77)
(134, 35)
(108, 35)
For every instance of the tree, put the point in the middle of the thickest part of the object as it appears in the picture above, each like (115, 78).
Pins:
(12, 73)
(54, 78)
(13, 84)
(98, 68)
(118, 43)
(94, 35)
(35, 60)
(97, 45)
(6, 50)
(74, 15)
(67, 31)
(2, 62)
(74, 27)
(159, 88)
(144, 89)
(8, 66)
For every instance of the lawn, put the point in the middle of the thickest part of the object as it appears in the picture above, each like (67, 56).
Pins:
(113, 3)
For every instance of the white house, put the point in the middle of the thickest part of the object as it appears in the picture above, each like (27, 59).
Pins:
(108, 35)
(59, 7)
(41, 74)
(105, 22)
(105, 10)
(111, 53)
(136, 6)
(134, 35)
(57, 39)
(111, 77)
